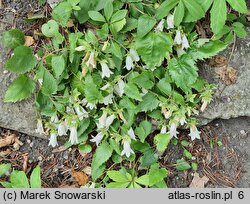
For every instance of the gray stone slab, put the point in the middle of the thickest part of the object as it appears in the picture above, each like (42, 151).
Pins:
(21, 116)
(230, 101)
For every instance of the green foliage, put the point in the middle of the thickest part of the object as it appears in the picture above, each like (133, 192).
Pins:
(21, 88)
(130, 72)
(18, 179)
(4, 168)
(13, 38)
(22, 61)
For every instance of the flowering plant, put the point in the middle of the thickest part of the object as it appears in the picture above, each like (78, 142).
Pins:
(107, 70)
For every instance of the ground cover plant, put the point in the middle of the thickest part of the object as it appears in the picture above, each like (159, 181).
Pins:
(119, 77)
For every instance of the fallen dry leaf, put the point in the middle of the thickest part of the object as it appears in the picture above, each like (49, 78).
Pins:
(80, 177)
(198, 182)
(29, 41)
(227, 74)
(7, 140)
(218, 61)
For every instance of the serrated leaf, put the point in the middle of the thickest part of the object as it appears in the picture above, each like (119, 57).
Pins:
(102, 154)
(208, 50)
(156, 174)
(22, 61)
(145, 25)
(143, 180)
(35, 178)
(62, 13)
(144, 80)
(21, 88)
(119, 15)
(49, 85)
(238, 5)
(182, 165)
(194, 9)
(149, 103)
(58, 65)
(132, 91)
(165, 8)
(143, 130)
(148, 158)
(13, 38)
(117, 176)
(92, 94)
(18, 179)
(179, 14)
(96, 16)
(164, 86)
(161, 141)
(118, 26)
(218, 15)
(4, 168)
(183, 71)
(154, 47)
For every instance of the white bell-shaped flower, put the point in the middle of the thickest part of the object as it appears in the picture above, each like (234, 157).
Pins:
(73, 135)
(173, 130)
(62, 128)
(53, 140)
(194, 133)
(178, 38)
(160, 26)
(129, 63)
(105, 70)
(126, 149)
(134, 55)
(131, 133)
(119, 88)
(97, 139)
(170, 21)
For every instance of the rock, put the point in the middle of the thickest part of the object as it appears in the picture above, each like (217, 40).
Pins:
(230, 101)
(22, 116)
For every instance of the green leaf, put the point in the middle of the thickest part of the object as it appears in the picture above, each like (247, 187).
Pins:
(22, 61)
(161, 141)
(6, 184)
(132, 91)
(194, 9)
(179, 13)
(102, 154)
(21, 88)
(49, 85)
(4, 168)
(13, 38)
(117, 176)
(164, 86)
(165, 8)
(35, 178)
(183, 71)
(117, 26)
(108, 10)
(62, 13)
(96, 16)
(143, 180)
(143, 130)
(194, 166)
(145, 25)
(58, 65)
(117, 185)
(182, 165)
(144, 80)
(149, 102)
(119, 15)
(18, 179)
(148, 158)
(92, 94)
(218, 15)
(239, 30)
(156, 174)
(85, 148)
(239, 5)
(187, 154)
(50, 29)
(208, 50)
(154, 47)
